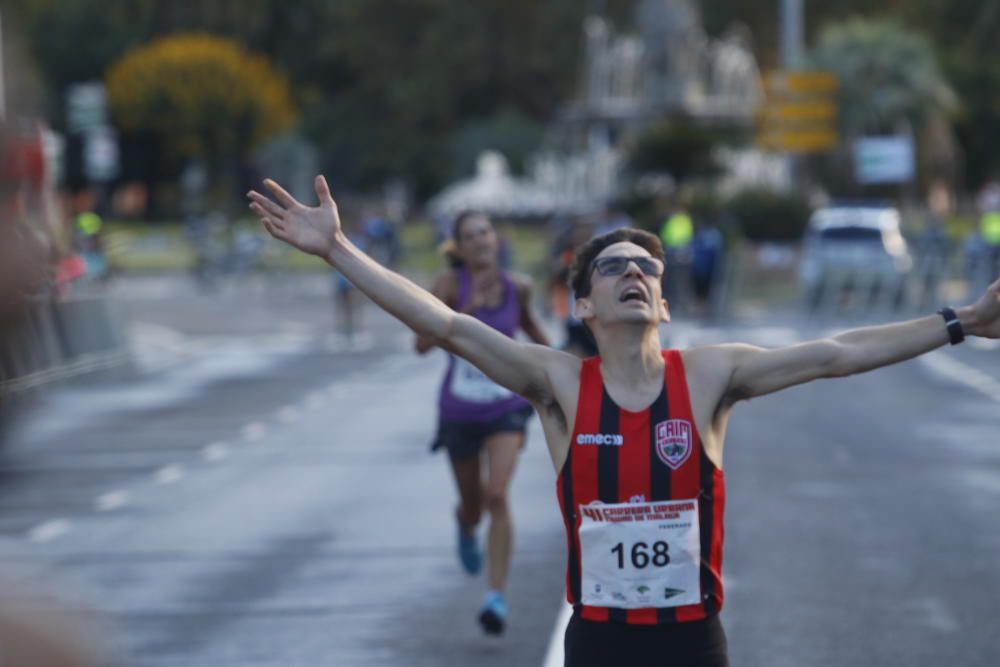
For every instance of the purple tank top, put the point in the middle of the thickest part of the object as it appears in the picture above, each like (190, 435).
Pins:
(467, 395)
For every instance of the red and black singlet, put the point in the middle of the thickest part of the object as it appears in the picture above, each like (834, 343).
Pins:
(618, 456)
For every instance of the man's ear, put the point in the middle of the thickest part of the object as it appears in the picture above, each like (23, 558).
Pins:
(583, 309)
(665, 306)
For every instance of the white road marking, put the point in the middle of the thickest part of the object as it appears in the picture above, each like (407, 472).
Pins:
(361, 342)
(554, 656)
(217, 451)
(254, 431)
(936, 615)
(168, 474)
(288, 414)
(955, 370)
(49, 530)
(112, 500)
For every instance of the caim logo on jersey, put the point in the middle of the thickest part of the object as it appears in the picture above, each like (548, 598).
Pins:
(674, 442)
(610, 439)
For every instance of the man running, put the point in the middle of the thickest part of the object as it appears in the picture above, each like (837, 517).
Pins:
(635, 434)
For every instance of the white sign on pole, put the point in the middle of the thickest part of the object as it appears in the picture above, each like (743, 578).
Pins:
(86, 106)
(100, 154)
(887, 159)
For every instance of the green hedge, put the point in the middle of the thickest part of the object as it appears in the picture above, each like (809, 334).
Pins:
(770, 216)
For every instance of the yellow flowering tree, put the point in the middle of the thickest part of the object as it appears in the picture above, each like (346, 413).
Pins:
(204, 96)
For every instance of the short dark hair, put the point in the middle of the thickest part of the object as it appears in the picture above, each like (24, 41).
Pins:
(579, 276)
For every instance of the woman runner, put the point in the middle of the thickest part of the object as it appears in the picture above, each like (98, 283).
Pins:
(476, 414)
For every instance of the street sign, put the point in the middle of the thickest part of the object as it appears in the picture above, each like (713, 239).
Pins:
(798, 141)
(886, 159)
(816, 82)
(799, 112)
(86, 106)
(816, 110)
(100, 155)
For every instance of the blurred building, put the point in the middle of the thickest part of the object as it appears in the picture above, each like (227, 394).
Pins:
(670, 68)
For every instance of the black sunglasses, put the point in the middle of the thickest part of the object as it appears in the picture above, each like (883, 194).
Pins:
(615, 266)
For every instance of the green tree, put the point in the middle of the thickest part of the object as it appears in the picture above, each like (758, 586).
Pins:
(682, 148)
(887, 75)
(408, 74)
(206, 93)
(965, 33)
(961, 32)
(199, 97)
(383, 85)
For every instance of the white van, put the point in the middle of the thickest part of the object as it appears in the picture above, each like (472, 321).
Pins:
(854, 246)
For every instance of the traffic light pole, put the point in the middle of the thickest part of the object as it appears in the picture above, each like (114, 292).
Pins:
(791, 59)
(791, 34)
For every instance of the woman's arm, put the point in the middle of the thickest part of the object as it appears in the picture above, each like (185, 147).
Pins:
(529, 323)
(445, 288)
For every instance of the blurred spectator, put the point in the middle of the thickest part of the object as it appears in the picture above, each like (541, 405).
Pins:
(90, 243)
(931, 251)
(982, 249)
(578, 340)
(348, 300)
(381, 236)
(989, 229)
(706, 261)
(676, 234)
(29, 222)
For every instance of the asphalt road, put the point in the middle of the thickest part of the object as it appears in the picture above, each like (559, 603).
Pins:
(259, 492)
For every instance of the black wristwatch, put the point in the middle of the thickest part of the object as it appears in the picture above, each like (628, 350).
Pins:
(955, 333)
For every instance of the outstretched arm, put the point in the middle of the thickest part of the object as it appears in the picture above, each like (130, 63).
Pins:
(317, 231)
(755, 371)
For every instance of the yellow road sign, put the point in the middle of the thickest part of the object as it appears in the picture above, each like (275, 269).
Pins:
(816, 81)
(798, 141)
(799, 112)
(809, 111)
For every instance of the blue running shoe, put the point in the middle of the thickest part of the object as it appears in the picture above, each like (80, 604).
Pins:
(468, 551)
(493, 616)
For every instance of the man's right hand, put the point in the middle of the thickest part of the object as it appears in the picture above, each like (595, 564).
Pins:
(310, 229)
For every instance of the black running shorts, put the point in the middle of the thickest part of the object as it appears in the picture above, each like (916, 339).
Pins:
(692, 644)
(464, 440)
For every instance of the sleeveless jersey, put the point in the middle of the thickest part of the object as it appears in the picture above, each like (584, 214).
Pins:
(643, 507)
(467, 395)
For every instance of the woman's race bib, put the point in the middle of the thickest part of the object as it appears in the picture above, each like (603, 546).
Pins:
(468, 383)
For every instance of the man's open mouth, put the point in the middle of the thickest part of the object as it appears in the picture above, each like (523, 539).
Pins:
(633, 294)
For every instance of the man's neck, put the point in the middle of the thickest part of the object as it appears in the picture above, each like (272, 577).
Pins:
(631, 354)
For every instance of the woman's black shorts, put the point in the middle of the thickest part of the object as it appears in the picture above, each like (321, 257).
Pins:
(464, 440)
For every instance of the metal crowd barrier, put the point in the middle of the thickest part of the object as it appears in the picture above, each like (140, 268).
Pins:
(56, 339)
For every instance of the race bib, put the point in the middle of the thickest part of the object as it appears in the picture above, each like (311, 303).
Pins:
(468, 383)
(636, 555)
